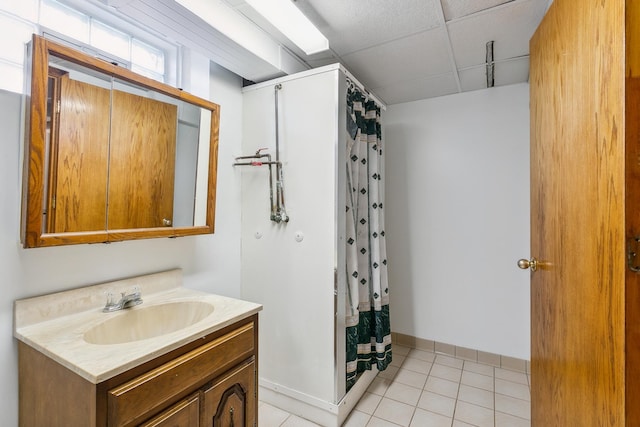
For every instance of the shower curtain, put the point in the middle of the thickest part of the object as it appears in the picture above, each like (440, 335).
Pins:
(368, 327)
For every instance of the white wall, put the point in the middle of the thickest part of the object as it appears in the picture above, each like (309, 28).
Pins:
(293, 280)
(457, 216)
(209, 262)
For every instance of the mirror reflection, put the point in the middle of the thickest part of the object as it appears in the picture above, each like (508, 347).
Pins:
(119, 153)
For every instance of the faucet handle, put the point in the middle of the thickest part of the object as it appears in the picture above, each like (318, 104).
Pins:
(109, 296)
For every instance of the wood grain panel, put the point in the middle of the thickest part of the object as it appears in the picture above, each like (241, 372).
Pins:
(80, 149)
(182, 414)
(231, 400)
(35, 142)
(61, 397)
(632, 180)
(577, 215)
(142, 162)
(141, 397)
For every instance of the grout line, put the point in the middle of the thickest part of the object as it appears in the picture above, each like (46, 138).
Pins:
(494, 395)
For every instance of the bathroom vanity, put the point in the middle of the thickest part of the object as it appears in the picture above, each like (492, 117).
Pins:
(181, 358)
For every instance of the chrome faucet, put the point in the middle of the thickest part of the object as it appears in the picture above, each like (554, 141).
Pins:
(126, 301)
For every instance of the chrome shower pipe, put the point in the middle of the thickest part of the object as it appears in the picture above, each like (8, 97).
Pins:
(281, 213)
(259, 162)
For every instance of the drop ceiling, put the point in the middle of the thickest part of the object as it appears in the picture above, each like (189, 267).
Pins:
(401, 50)
(405, 50)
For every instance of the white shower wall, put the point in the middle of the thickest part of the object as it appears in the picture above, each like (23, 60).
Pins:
(458, 219)
(290, 268)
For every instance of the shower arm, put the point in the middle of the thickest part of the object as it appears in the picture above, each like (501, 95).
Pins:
(257, 156)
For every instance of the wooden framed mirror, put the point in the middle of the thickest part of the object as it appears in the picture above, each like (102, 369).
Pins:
(111, 155)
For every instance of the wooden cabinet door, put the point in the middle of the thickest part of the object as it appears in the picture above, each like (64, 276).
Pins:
(182, 414)
(231, 400)
(79, 150)
(142, 162)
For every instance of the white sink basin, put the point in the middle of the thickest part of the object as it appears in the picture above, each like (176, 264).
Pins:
(142, 322)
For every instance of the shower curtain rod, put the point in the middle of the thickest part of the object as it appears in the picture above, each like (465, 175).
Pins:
(360, 86)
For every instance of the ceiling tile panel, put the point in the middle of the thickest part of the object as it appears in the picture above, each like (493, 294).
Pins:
(418, 56)
(511, 72)
(510, 26)
(473, 78)
(458, 8)
(505, 73)
(352, 25)
(414, 90)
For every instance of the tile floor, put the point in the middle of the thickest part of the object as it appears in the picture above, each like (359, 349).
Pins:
(423, 389)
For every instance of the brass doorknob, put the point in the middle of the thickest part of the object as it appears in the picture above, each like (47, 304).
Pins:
(525, 263)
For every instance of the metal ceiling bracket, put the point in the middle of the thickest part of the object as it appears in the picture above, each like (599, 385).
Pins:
(490, 64)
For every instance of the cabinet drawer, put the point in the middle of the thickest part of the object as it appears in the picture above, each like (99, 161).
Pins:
(149, 393)
(182, 414)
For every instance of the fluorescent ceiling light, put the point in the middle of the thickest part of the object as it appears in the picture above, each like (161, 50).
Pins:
(287, 18)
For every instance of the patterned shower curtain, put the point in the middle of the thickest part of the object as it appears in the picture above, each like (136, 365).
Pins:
(368, 327)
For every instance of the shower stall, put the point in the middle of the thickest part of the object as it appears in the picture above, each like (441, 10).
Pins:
(296, 268)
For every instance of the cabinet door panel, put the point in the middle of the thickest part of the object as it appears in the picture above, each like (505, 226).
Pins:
(231, 400)
(182, 414)
(136, 400)
(78, 171)
(141, 161)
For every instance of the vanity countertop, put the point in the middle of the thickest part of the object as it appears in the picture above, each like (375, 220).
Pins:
(55, 324)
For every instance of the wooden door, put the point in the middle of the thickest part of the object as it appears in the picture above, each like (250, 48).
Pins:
(577, 215)
(142, 162)
(231, 401)
(79, 149)
(632, 137)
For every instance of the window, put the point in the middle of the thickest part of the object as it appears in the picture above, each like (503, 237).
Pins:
(65, 20)
(14, 33)
(21, 18)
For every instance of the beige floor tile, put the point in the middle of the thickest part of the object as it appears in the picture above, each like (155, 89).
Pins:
(477, 380)
(356, 419)
(389, 373)
(368, 403)
(270, 416)
(445, 372)
(397, 360)
(417, 365)
(478, 368)
(476, 396)
(395, 412)
(378, 422)
(441, 386)
(516, 390)
(506, 420)
(442, 359)
(473, 414)
(295, 421)
(422, 418)
(379, 386)
(414, 379)
(513, 376)
(401, 350)
(427, 356)
(403, 393)
(437, 403)
(512, 406)
(423, 389)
